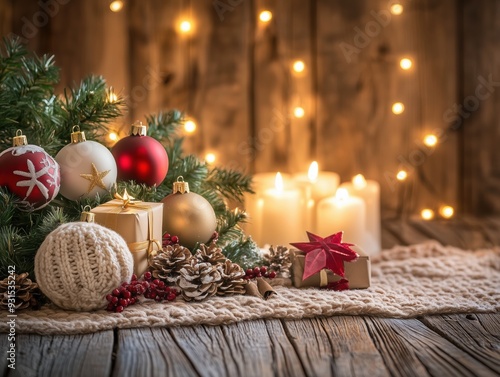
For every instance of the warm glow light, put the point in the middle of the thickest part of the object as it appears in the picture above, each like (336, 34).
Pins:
(396, 9)
(185, 26)
(298, 66)
(112, 97)
(430, 140)
(402, 175)
(405, 63)
(342, 194)
(265, 16)
(427, 214)
(116, 6)
(278, 182)
(312, 174)
(446, 211)
(398, 108)
(299, 112)
(359, 182)
(113, 136)
(189, 126)
(210, 158)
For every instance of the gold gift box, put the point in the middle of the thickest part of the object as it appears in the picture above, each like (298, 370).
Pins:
(358, 272)
(140, 225)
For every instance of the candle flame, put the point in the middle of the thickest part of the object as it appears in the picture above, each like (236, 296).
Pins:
(278, 182)
(359, 181)
(342, 194)
(313, 171)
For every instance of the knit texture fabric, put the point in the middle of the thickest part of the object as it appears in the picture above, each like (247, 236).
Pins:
(79, 263)
(406, 282)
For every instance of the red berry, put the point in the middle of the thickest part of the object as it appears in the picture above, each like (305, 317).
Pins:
(171, 296)
(114, 300)
(133, 300)
(263, 270)
(134, 277)
(272, 275)
(148, 275)
(174, 239)
(109, 297)
(119, 309)
(256, 270)
(116, 292)
(123, 302)
(127, 294)
(110, 307)
(156, 281)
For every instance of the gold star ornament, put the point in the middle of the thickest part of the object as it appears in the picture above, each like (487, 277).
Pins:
(95, 178)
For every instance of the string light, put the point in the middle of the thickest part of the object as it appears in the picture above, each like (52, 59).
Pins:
(398, 108)
(210, 158)
(405, 63)
(299, 112)
(189, 126)
(446, 211)
(396, 9)
(112, 97)
(116, 6)
(185, 26)
(427, 214)
(265, 16)
(298, 66)
(113, 136)
(430, 140)
(401, 175)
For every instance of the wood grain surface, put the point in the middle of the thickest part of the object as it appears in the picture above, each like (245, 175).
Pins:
(233, 75)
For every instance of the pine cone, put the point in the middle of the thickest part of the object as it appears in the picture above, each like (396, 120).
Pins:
(199, 281)
(26, 293)
(233, 282)
(210, 254)
(167, 264)
(279, 260)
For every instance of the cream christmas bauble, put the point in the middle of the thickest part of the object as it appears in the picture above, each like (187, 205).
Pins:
(87, 168)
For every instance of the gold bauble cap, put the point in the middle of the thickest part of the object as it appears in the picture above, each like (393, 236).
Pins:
(19, 139)
(77, 136)
(138, 129)
(87, 216)
(180, 187)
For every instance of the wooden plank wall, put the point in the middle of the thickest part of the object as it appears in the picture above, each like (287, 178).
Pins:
(233, 75)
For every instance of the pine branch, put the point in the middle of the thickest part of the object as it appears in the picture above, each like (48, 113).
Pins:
(164, 126)
(230, 183)
(227, 225)
(88, 107)
(243, 251)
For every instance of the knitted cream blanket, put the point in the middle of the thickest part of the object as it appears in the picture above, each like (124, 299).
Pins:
(406, 282)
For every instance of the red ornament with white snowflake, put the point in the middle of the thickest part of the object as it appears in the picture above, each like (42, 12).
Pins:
(30, 173)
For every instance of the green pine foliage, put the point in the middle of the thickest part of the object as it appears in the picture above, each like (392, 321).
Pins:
(28, 102)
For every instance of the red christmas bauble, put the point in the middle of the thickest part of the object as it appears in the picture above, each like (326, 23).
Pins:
(140, 158)
(30, 173)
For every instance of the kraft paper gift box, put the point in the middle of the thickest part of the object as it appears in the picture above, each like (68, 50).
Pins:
(140, 225)
(358, 272)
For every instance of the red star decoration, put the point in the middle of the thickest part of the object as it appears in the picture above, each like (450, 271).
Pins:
(329, 252)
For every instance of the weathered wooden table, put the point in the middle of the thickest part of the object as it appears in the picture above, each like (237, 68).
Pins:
(443, 345)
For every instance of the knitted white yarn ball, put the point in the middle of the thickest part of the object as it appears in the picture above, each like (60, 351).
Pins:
(79, 263)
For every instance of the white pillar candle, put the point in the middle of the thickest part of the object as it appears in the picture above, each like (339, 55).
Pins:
(342, 213)
(369, 191)
(254, 202)
(316, 186)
